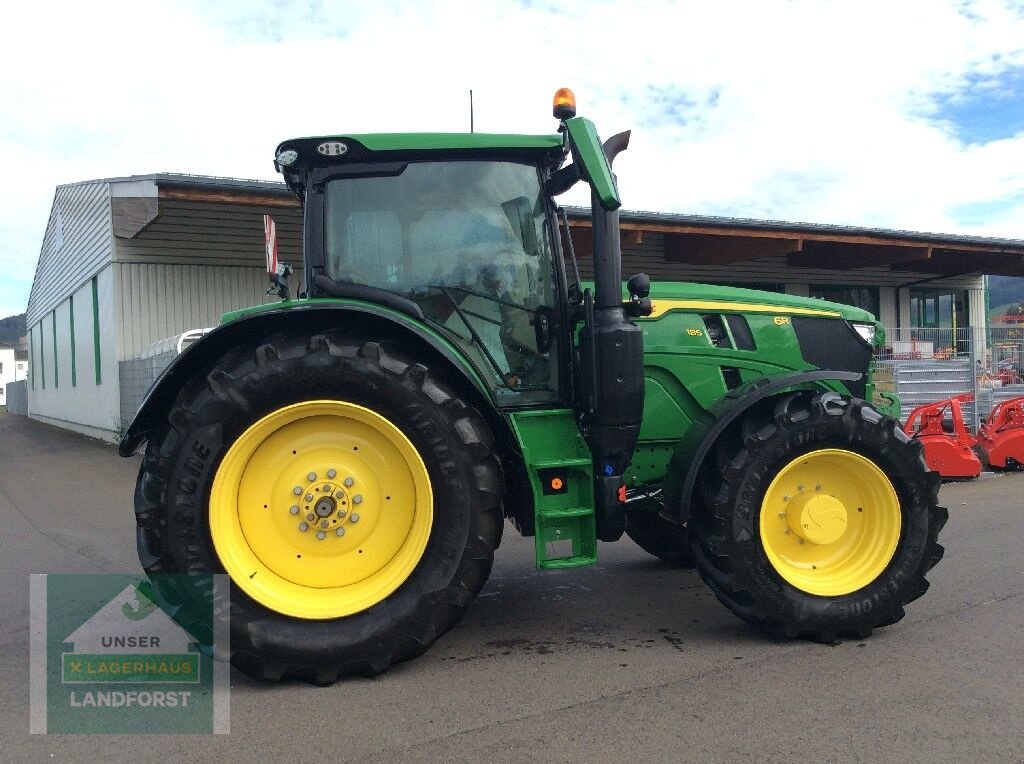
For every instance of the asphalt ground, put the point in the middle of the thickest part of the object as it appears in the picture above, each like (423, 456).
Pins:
(626, 659)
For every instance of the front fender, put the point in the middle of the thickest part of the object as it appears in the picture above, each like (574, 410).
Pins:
(681, 477)
(312, 316)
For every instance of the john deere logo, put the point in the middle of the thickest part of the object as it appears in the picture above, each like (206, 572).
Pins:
(111, 660)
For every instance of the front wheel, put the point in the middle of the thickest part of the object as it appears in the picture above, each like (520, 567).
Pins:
(349, 494)
(820, 518)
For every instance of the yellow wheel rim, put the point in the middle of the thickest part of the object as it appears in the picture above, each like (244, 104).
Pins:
(830, 522)
(321, 509)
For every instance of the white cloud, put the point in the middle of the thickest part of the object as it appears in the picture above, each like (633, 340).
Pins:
(792, 110)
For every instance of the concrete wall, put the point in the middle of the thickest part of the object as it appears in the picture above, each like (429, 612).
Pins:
(83, 401)
(16, 395)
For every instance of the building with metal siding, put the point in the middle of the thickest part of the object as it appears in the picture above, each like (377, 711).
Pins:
(127, 263)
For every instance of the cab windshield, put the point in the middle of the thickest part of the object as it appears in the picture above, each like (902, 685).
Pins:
(468, 242)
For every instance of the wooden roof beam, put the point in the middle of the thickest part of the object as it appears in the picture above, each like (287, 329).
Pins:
(250, 198)
(713, 249)
(874, 240)
(840, 256)
(961, 262)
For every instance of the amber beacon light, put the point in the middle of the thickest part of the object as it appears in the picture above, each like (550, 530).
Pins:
(564, 106)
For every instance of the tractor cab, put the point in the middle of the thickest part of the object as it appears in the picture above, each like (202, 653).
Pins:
(460, 232)
(466, 245)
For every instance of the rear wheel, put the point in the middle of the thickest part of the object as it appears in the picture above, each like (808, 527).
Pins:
(819, 521)
(350, 495)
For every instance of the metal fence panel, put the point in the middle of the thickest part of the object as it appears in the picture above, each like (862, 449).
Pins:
(925, 365)
(17, 397)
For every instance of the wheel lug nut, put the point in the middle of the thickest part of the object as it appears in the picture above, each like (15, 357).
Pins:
(782, 514)
(339, 532)
(311, 477)
(321, 535)
(339, 495)
(303, 527)
(357, 499)
(297, 490)
(331, 473)
(354, 518)
(799, 488)
(309, 516)
(787, 497)
(817, 487)
(349, 482)
(294, 509)
(323, 523)
(341, 513)
(309, 497)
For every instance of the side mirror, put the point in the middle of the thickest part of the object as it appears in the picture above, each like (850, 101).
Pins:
(639, 287)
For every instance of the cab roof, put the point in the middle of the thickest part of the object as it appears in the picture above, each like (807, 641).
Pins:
(323, 150)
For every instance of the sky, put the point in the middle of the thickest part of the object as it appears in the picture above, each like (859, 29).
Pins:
(905, 115)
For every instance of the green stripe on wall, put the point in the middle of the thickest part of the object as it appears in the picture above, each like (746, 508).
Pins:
(56, 368)
(42, 354)
(96, 329)
(71, 313)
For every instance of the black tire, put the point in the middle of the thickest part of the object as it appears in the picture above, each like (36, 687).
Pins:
(659, 537)
(452, 438)
(725, 538)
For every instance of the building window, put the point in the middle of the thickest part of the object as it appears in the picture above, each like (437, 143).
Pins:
(938, 316)
(866, 298)
(938, 308)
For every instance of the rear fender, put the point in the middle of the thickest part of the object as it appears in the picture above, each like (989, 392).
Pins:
(370, 319)
(693, 448)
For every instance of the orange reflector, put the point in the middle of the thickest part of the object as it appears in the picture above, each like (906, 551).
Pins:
(622, 494)
(556, 484)
(564, 105)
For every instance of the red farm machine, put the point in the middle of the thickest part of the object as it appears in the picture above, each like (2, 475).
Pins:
(951, 450)
(949, 447)
(1001, 435)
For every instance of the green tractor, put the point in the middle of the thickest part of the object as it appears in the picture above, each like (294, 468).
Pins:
(349, 457)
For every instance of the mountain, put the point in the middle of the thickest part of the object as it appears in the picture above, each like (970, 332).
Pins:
(12, 329)
(1005, 290)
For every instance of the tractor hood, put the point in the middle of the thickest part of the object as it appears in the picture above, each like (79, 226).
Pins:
(668, 295)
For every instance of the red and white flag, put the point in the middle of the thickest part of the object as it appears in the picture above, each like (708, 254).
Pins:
(270, 238)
